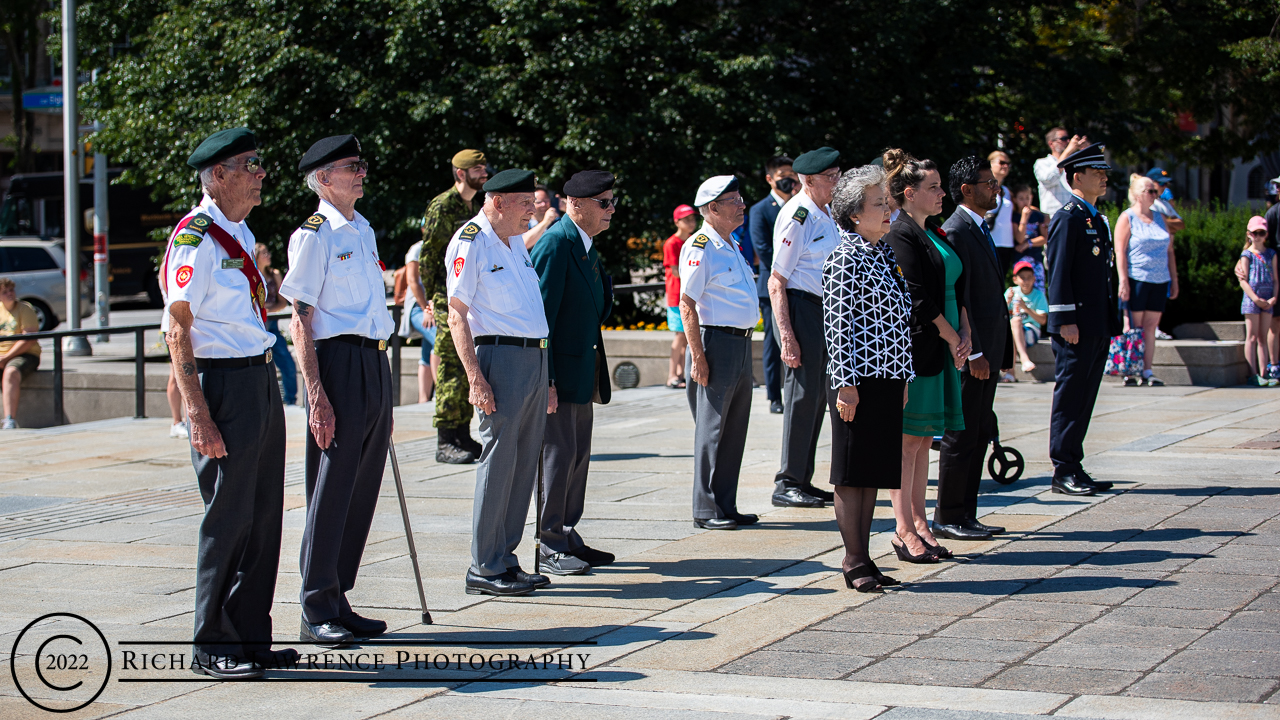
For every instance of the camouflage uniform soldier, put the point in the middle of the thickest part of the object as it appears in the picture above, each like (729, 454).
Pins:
(446, 213)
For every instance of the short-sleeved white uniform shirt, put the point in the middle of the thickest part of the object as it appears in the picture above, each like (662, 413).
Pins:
(495, 280)
(714, 275)
(333, 267)
(803, 236)
(199, 272)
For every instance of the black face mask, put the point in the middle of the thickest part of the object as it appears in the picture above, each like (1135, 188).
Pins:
(786, 185)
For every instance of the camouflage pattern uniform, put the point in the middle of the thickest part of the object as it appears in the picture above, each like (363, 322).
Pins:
(446, 213)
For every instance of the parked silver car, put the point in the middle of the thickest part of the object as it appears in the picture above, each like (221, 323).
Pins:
(37, 269)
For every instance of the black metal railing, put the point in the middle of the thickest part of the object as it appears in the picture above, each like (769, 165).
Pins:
(140, 357)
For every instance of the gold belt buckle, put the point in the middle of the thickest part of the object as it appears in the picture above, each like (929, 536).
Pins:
(542, 343)
(268, 356)
(382, 345)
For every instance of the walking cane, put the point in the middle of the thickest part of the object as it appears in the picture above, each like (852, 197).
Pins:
(408, 533)
(537, 521)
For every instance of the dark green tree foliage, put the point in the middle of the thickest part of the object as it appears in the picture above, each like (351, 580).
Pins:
(661, 93)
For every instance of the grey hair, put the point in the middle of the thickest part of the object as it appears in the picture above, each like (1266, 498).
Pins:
(313, 181)
(850, 195)
(705, 210)
(206, 178)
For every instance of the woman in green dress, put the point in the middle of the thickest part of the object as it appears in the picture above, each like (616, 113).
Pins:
(939, 343)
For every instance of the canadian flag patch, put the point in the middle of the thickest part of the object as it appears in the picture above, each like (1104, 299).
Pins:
(694, 263)
(183, 276)
(457, 266)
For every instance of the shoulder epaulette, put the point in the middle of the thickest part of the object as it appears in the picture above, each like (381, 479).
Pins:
(801, 215)
(700, 241)
(198, 226)
(313, 223)
(469, 232)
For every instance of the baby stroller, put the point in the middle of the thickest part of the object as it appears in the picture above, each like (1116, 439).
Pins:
(1005, 463)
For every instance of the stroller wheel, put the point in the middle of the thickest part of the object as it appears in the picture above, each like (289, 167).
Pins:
(1005, 464)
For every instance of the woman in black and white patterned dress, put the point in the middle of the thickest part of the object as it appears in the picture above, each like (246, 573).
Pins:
(866, 311)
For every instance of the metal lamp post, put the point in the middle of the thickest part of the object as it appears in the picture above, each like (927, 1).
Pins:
(71, 171)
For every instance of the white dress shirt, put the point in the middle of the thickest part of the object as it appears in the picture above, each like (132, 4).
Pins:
(1002, 230)
(335, 270)
(586, 239)
(803, 236)
(714, 275)
(1054, 192)
(496, 281)
(200, 273)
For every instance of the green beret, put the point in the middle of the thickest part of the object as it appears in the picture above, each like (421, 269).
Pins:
(816, 161)
(511, 181)
(222, 145)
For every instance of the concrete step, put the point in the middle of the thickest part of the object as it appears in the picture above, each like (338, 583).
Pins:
(1221, 330)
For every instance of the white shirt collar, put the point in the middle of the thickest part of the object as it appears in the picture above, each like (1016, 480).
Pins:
(976, 217)
(586, 239)
(813, 206)
(336, 218)
(777, 198)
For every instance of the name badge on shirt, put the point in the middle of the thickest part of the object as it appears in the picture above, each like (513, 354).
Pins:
(1090, 231)
(233, 263)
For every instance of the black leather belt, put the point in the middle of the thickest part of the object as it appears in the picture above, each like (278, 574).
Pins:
(231, 363)
(740, 332)
(359, 340)
(805, 296)
(507, 340)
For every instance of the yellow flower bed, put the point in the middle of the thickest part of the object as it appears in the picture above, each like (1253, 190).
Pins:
(637, 326)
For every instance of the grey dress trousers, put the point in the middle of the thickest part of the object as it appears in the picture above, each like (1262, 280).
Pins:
(721, 411)
(512, 439)
(804, 392)
(343, 480)
(566, 457)
(239, 541)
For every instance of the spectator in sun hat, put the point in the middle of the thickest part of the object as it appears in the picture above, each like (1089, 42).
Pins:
(1164, 202)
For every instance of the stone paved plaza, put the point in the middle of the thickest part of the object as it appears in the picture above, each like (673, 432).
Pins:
(1156, 600)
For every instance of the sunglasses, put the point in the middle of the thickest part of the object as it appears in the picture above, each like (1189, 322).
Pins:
(1258, 233)
(605, 203)
(253, 164)
(357, 166)
(1064, 138)
(1152, 192)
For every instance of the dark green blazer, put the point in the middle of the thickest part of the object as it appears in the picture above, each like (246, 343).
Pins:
(576, 301)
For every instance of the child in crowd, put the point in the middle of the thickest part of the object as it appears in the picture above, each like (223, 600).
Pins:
(1028, 308)
(1259, 302)
(686, 220)
(1030, 232)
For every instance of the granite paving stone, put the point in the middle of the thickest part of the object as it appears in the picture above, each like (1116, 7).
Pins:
(1070, 680)
(948, 648)
(774, 663)
(1253, 664)
(1101, 657)
(842, 643)
(1200, 687)
(928, 671)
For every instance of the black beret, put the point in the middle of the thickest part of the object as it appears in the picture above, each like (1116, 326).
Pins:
(328, 150)
(816, 161)
(588, 183)
(511, 181)
(222, 145)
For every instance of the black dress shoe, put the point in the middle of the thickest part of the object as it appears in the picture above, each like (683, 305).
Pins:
(825, 496)
(537, 581)
(276, 659)
(745, 518)
(328, 634)
(226, 668)
(593, 557)
(363, 627)
(1099, 485)
(775, 407)
(1071, 485)
(973, 524)
(959, 532)
(795, 497)
(504, 584)
(716, 523)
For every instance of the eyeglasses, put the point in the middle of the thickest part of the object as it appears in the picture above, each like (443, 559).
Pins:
(992, 183)
(605, 203)
(253, 164)
(833, 175)
(732, 201)
(357, 166)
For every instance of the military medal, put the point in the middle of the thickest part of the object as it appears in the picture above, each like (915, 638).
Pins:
(1095, 251)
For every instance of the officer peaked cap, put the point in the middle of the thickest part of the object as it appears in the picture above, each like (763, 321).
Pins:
(713, 188)
(511, 181)
(328, 150)
(222, 145)
(588, 183)
(816, 161)
(1087, 157)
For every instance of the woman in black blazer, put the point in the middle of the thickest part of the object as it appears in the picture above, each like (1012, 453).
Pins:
(939, 343)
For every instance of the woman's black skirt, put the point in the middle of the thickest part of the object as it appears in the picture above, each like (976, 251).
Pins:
(867, 453)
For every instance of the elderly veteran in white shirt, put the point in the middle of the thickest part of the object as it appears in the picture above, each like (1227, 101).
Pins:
(719, 308)
(340, 328)
(499, 327)
(215, 325)
(803, 236)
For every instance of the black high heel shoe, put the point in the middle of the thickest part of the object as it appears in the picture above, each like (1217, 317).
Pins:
(884, 580)
(924, 558)
(863, 572)
(937, 550)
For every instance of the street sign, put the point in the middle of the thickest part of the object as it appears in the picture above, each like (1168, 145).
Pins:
(43, 99)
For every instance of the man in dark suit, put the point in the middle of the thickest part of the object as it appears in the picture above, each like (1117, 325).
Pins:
(783, 185)
(576, 300)
(1082, 315)
(960, 464)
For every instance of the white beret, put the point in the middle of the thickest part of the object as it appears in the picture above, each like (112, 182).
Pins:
(713, 188)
